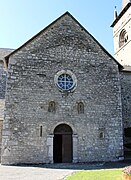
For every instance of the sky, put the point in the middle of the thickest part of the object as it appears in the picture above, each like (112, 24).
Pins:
(22, 19)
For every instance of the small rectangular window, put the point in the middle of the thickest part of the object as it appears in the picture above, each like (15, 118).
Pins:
(101, 133)
(40, 131)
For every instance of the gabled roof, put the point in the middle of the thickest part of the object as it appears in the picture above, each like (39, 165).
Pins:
(42, 31)
(4, 52)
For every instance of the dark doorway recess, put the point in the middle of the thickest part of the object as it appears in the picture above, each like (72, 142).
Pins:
(127, 143)
(127, 132)
(62, 145)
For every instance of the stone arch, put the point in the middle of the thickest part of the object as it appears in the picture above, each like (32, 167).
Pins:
(63, 128)
(62, 122)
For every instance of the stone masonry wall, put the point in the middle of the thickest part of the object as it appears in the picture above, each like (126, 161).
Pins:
(30, 87)
(1, 124)
(2, 97)
(126, 109)
(126, 97)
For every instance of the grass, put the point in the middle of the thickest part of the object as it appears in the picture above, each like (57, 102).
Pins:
(112, 174)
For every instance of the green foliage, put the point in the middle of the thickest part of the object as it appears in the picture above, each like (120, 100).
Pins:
(113, 174)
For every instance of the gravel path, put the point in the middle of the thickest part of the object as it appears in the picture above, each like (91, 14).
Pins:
(52, 171)
(32, 173)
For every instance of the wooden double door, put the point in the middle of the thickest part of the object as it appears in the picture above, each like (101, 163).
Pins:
(62, 145)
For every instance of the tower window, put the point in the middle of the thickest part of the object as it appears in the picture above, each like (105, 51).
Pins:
(52, 106)
(123, 37)
(80, 108)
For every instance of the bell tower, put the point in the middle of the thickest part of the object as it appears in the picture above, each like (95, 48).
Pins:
(122, 34)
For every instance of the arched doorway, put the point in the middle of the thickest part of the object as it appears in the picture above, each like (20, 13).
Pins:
(62, 144)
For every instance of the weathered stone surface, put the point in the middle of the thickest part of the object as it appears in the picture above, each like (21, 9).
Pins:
(126, 108)
(2, 97)
(126, 97)
(1, 123)
(64, 45)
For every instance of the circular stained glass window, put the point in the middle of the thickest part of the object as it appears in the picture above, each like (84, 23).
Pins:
(65, 80)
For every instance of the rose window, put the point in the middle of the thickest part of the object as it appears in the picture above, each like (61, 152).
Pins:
(65, 80)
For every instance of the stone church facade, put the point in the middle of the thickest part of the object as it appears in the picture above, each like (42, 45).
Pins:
(64, 99)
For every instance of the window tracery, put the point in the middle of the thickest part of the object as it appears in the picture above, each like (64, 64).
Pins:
(65, 80)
